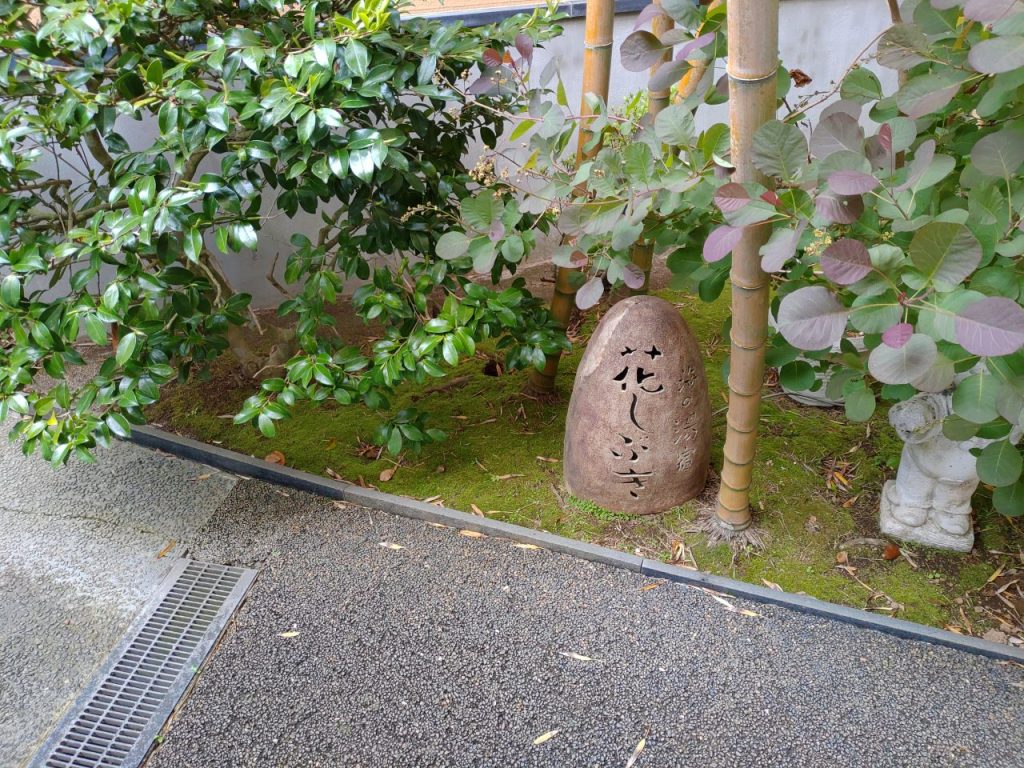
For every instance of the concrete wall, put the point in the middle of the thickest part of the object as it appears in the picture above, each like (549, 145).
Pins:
(820, 37)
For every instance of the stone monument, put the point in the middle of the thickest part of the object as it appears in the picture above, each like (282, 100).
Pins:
(637, 436)
(929, 502)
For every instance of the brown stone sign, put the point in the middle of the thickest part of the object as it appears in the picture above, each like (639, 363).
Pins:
(637, 436)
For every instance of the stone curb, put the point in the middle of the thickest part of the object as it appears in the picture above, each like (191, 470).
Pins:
(249, 466)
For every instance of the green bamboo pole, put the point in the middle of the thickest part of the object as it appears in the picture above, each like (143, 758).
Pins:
(597, 66)
(752, 64)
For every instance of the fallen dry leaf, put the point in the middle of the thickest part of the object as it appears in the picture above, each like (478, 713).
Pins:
(811, 525)
(471, 534)
(545, 737)
(163, 552)
(387, 474)
(891, 552)
(995, 574)
(476, 510)
(648, 587)
(332, 474)
(207, 476)
(526, 546)
(842, 558)
(437, 525)
(732, 608)
(507, 477)
(576, 656)
(636, 753)
(292, 633)
(274, 457)
(547, 459)
(431, 499)
(772, 585)
(389, 545)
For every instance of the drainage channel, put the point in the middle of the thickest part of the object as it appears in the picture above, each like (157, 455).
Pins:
(113, 724)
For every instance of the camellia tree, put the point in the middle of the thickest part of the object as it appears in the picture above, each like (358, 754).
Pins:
(906, 236)
(143, 145)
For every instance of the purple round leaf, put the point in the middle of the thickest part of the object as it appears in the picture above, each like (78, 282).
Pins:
(923, 157)
(524, 44)
(590, 293)
(991, 327)
(640, 51)
(720, 242)
(898, 335)
(987, 11)
(839, 209)
(633, 276)
(885, 137)
(668, 73)
(946, 253)
(938, 378)
(695, 44)
(846, 261)
(997, 55)
(647, 14)
(999, 154)
(902, 365)
(811, 318)
(781, 247)
(852, 182)
(731, 197)
(839, 131)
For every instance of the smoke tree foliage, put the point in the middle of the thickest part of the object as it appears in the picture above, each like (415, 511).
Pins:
(254, 109)
(907, 234)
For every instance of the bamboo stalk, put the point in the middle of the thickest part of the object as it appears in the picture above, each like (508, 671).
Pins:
(658, 100)
(689, 82)
(642, 252)
(642, 255)
(752, 64)
(597, 65)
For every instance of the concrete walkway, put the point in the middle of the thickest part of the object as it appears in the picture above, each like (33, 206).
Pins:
(373, 640)
(81, 550)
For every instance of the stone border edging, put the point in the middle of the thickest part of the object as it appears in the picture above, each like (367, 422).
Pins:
(278, 474)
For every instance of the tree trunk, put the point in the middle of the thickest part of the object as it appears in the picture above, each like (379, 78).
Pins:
(752, 64)
(597, 63)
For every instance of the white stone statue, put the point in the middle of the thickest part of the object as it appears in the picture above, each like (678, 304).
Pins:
(929, 502)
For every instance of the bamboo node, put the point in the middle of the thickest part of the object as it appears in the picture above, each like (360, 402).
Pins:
(751, 288)
(745, 347)
(759, 79)
(738, 393)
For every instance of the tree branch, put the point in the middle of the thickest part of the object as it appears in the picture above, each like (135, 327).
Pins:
(97, 150)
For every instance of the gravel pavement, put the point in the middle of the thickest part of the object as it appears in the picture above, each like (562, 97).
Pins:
(446, 650)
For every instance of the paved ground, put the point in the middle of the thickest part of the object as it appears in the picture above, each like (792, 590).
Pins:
(78, 558)
(456, 651)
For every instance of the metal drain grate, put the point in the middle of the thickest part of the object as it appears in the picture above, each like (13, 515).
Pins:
(114, 723)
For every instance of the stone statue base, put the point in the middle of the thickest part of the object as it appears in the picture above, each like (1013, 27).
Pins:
(928, 533)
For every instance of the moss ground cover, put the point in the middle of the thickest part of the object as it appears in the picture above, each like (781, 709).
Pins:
(816, 483)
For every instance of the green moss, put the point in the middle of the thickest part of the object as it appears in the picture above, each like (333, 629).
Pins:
(500, 440)
(973, 576)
